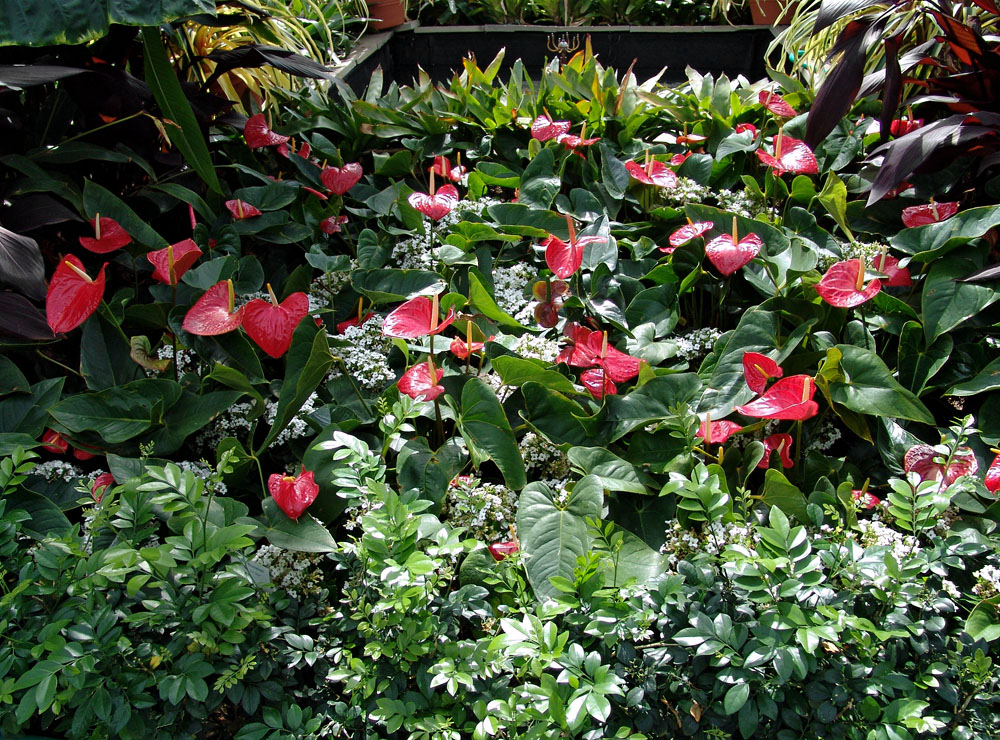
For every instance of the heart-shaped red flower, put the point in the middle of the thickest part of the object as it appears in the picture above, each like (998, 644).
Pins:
(790, 155)
(100, 485)
(843, 284)
(929, 463)
(717, 432)
(758, 369)
(598, 383)
(241, 209)
(172, 262)
(293, 494)
(271, 324)
(896, 276)
(213, 313)
(258, 134)
(544, 128)
(729, 256)
(929, 213)
(341, 179)
(418, 317)
(501, 550)
(903, 126)
(462, 348)
(653, 172)
(776, 104)
(54, 442)
(417, 382)
(438, 205)
(332, 224)
(687, 232)
(571, 141)
(790, 398)
(780, 443)
(73, 296)
(993, 476)
(589, 348)
(742, 127)
(108, 236)
(565, 258)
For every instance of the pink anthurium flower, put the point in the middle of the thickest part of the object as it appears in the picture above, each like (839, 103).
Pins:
(790, 398)
(993, 475)
(332, 224)
(896, 276)
(293, 493)
(678, 159)
(213, 313)
(865, 500)
(717, 432)
(691, 139)
(598, 383)
(780, 443)
(652, 172)
(173, 261)
(421, 381)
(790, 155)
(303, 151)
(758, 369)
(565, 258)
(843, 284)
(258, 134)
(776, 104)
(54, 442)
(462, 348)
(929, 463)
(100, 485)
(742, 127)
(241, 210)
(339, 180)
(108, 236)
(353, 321)
(502, 550)
(729, 253)
(436, 204)
(271, 324)
(691, 230)
(571, 141)
(544, 128)
(590, 348)
(418, 317)
(929, 213)
(73, 295)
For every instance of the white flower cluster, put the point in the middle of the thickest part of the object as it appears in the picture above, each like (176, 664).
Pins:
(53, 470)
(687, 191)
(537, 347)
(947, 517)
(367, 358)
(203, 470)
(298, 573)
(694, 345)
(875, 533)
(866, 251)
(987, 582)
(950, 588)
(543, 458)
(323, 289)
(494, 381)
(235, 422)
(416, 253)
(298, 426)
(186, 360)
(509, 285)
(486, 510)
(713, 539)
(823, 437)
(741, 202)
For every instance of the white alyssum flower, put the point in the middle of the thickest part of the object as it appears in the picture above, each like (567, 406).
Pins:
(53, 470)
(543, 458)
(298, 573)
(537, 347)
(695, 344)
(486, 510)
(987, 582)
(367, 356)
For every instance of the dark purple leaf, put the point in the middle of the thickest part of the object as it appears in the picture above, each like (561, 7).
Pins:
(21, 264)
(893, 92)
(21, 320)
(908, 61)
(36, 211)
(832, 11)
(266, 56)
(21, 76)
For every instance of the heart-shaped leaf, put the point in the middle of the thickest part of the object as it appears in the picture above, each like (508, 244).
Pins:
(341, 179)
(271, 324)
(73, 296)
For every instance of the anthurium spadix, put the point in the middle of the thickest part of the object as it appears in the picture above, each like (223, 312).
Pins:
(418, 317)
(214, 312)
(790, 155)
(108, 236)
(729, 253)
(73, 295)
(790, 398)
(271, 324)
(843, 284)
(758, 369)
(173, 261)
(652, 172)
(241, 210)
(339, 180)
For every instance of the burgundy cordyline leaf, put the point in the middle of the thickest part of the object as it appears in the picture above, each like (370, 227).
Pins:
(790, 399)
(241, 209)
(896, 276)
(462, 348)
(332, 224)
(929, 213)
(353, 321)
(110, 237)
(776, 104)
(184, 254)
(271, 326)
(758, 369)
(565, 258)
(72, 296)
(728, 257)
(416, 318)
(993, 476)
(865, 500)
(717, 432)
(654, 173)
(843, 284)
(544, 128)
(689, 231)
(783, 444)
(341, 179)
(791, 155)
(501, 550)
(436, 206)
(258, 134)
(416, 382)
(293, 494)
(213, 313)
(920, 459)
(598, 383)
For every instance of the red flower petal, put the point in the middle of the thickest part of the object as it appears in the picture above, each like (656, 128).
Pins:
(544, 128)
(293, 494)
(783, 444)
(270, 326)
(565, 258)
(598, 383)
(791, 155)
(571, 141)
(416, 382)
(687, 232)
(678, 159)
(929, 213)
(258, 134)
(501, 550)
(728, 257)
(865, 500)
(241, 209)
(689, 139)
(776, 104)
(435, 206)
(185, 253)
(839, 286)
(920, 459)
(903, 126)
(717, 432)
(654, 173)
(353, 321)
(896, 276)
(210, 315)
(332, 224)
(100, 485)
(758, 369)
(741, 127)
(789, 398)
(415, 318)
(619, 366)
(72, 295)
(113, 237)
(462, 348)
(993, 476)
(341, 179)
(54, 442)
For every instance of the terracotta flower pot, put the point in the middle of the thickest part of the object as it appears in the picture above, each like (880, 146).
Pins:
(772, 12)
(386, 13)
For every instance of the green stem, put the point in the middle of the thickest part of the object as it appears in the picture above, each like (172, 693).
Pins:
(357, 391)
(67, 368)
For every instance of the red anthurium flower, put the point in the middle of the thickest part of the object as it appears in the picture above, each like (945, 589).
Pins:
(258, 134)
(843, 284)
(930, 213)
(421, 381)
(418, 317)
(790, 398)
(462, 348)
(717, 432)
(241, 209)
(550, 294)
(679, 159)
(653, 172)
(353, 321)
(691, 139)
(993, 475)
(896, 276)
(741, 127)
(108, 236)
(865, 500)
(173, 261)
(313, 191)
(82, 455)
(437, 205)
(758, 369)
(571, 141)
(72, 295)
(590, 348)
(293, 493)
(271, 324)
(332, 224)
(100, 485)
(341, 179)
(54, 442)
(729, 254)
(690, 230)
(929, 463)
(565, 258)
(501, 550)
(303, 150)
(213, 313)
(598, 383)
(782, 443)
(903, 126)
(544, 128)
(776, 104)
(790, 155)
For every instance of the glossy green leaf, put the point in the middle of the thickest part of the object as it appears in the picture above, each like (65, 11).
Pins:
(613, 473)
(12, 380)
(870, 388)
(45, 516)
(480, 297)
(654, 401)
(388, 285)
(306, 535)
(945, 303)
(28, 413)
(927, 243)
(783, 495)
(918, 362)
(488, 434)
(121, 413)
(517, 371)
(556, 417)
(988, 379)
(539, 183)
(189, 414)
(982, 623)
(105, 354)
